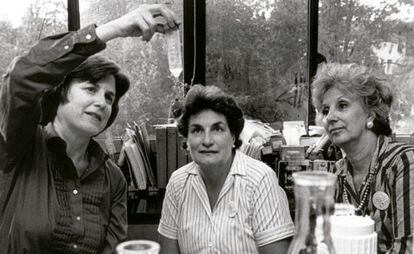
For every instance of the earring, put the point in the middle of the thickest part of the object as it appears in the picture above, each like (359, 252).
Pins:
(370, 124)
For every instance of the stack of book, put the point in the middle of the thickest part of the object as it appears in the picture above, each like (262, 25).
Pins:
(135, 152)
(169, 152)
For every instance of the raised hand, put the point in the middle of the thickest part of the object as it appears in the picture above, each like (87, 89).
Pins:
(143, 21)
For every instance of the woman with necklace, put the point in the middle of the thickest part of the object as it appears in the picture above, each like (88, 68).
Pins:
(377, 174)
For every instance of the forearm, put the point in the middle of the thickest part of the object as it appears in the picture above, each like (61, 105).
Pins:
(116, 230)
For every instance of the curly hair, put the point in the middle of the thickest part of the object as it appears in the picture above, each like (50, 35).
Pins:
(200, 98)
(361, 82)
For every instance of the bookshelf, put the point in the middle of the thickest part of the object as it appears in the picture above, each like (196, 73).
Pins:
(147, 162)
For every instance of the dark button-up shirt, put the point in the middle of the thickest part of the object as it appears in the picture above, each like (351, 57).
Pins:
(45, 207)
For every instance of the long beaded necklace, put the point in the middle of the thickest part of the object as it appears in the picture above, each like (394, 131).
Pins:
(366, 185)
(367, 189)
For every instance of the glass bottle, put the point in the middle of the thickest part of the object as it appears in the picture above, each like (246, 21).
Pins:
(314, 204)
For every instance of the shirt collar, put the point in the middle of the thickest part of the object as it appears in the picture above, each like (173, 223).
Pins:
(56, 144)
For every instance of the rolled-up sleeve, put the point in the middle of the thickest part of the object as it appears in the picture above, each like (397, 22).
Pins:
(168, 226)
(271, 218)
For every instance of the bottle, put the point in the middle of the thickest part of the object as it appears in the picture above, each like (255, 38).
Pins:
(174, 52)
(314, 204)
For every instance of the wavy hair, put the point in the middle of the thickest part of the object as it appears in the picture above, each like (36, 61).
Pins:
(92, 69)
(200, 98)
(361, 82)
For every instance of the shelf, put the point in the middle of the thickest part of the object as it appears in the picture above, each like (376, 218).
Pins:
(144, 207)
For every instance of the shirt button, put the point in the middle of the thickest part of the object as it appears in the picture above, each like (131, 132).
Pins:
(210, 244)
(78, 218)
(88, 36)
(75, 246)
(75, 192)
(66, 47)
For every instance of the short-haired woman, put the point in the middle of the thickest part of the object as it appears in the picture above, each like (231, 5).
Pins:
(62, 194)
(223, 201)
(377, 174)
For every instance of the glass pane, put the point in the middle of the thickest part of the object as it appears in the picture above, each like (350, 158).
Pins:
(153, 87)
(378, 34)
(256, 51)
(23, 22)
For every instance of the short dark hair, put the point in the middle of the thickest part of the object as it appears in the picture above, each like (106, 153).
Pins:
(200, 98)
(92, 69)
(361, 82)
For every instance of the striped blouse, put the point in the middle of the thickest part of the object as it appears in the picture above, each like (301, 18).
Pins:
(395, 178)
(251, 210)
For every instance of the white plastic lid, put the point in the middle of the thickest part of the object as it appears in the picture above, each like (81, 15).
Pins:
(352, 225)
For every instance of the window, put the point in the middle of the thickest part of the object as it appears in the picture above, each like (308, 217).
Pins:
(22, 23)
(153, 87)
(378, 34)
(256, 51)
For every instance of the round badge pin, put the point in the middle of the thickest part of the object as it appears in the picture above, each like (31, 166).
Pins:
(381, 200)
(232, 209)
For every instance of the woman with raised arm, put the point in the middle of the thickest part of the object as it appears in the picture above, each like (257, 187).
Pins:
(62, 193)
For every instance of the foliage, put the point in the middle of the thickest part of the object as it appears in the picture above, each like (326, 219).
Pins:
(152, 89)
(255, 57)
(349, 31)
(254, 51)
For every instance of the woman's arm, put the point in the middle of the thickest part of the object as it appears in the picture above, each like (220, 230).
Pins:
(272, 224)
(116, 230)
(403, 192)
(168, 246)
(46, 65)
(279, 247)
(43, 68)
(168, 227)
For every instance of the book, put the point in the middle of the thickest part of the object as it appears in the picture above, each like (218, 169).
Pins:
(137, 164)
(181, 153)
(161, 155)
(171, 150)
(141, 141)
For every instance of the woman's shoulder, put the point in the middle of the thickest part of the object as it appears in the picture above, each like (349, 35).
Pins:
(179, 176)
(113, 172)
(396, 160)
(396, 151)
(255, 170)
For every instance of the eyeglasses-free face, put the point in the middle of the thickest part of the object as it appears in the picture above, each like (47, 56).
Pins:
(88, 107)
(209, 139)
(344, 117)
